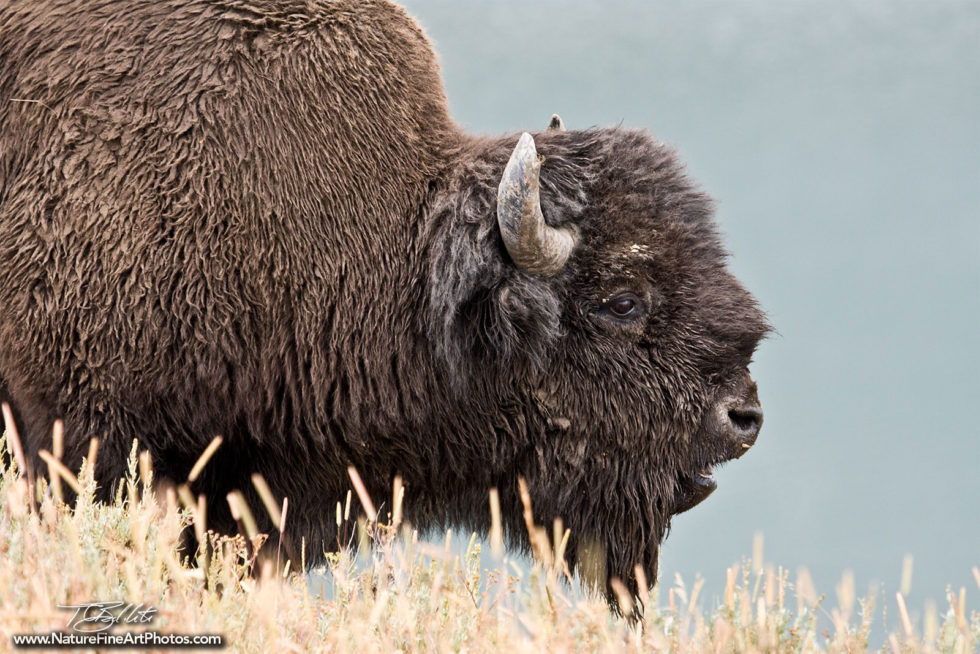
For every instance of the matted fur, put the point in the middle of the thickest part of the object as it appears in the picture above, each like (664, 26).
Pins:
(257, 219)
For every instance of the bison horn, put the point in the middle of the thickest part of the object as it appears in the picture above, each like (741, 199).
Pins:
(533, 245)
(556, 124)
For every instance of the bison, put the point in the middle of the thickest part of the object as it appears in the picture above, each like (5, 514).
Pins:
(259, 220)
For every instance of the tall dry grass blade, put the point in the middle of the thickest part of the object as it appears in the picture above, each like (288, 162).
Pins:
(202, 460)
(561, 549)
(146, 468)
(251, 526)
(930, 629)
(241, 512)
(526, 501)
(541, 541)
(730, 575)
(282, 516)
(93, 454)
(13, 437)
(758, 543)
(58, 438)
(540, 546)
(976, 575)
(557, 531)
(496, 525)
(202, 516)
(783, 577)
(770, 585)
(187, 497)
(904, 614)
(362, 494)
(961, 622)
(846, 594)
(397, 497)
(59, 468)
(641, 580)
(363, 538)
(282, 536)
(268, 499)
(905, 587)
(57, 450)
(622, 596)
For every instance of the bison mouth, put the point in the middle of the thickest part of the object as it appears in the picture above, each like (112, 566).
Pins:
(694, 489)
(729, 429)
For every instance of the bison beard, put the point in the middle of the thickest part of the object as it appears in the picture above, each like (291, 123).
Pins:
(260, 221)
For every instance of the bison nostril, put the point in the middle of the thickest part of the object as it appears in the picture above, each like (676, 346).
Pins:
(747, 421)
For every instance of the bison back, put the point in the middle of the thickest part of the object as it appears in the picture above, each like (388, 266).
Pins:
(194, 196)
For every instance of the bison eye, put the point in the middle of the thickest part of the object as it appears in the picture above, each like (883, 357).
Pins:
(622, 305)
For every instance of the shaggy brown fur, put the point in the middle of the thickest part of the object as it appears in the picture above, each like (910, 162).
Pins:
(257, 219)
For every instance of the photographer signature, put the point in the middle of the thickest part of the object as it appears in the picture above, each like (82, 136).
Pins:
(99, 616)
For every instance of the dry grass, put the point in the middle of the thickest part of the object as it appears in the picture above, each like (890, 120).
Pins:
(388, 591)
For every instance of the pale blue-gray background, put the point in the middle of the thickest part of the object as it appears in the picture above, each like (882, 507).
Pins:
(842, 142)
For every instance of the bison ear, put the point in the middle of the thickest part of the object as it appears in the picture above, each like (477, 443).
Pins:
(556, 124)
(533, 245)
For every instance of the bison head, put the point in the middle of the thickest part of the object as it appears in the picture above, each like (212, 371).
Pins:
(596, 343)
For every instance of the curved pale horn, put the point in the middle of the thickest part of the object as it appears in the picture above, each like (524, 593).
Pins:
(556, 123)
(533, 245)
